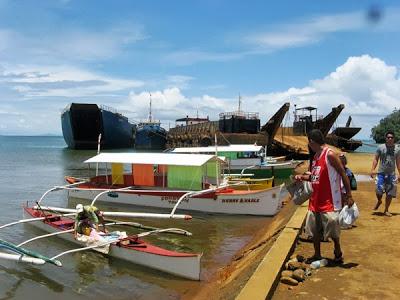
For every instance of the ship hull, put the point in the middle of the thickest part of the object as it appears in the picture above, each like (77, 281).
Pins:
(346, 132)
(82, 124)
(150, 137)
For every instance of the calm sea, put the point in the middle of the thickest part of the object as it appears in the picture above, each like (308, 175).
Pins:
(368, 146)
(31, 165)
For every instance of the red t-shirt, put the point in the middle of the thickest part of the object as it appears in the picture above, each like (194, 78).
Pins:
(325, 181)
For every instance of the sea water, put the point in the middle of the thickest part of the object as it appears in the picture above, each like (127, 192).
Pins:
(31, 165)
(368, 146)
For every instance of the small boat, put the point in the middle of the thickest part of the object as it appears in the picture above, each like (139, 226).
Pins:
(132, 248)
(172, 181)
(249, 159)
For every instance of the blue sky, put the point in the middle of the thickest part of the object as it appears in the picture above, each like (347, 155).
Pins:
(196, 56)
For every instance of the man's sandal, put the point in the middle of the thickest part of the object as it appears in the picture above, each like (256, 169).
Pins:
(338, 258)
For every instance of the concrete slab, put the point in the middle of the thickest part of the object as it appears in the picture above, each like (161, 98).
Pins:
(264, 279)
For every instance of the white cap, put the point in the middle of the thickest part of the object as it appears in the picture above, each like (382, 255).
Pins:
(79, 208)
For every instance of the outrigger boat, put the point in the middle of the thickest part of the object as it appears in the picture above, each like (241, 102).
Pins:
(248, 158)
(58, 222)
(167, 180)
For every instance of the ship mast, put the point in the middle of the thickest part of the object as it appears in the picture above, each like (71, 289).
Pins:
(240, 102)
(150, 117)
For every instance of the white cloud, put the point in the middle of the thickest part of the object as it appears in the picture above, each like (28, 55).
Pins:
(307, 31)
(69, 44)
(179, 81)
(367, 86)
(61, 81)
(189, 57)
(297, 33)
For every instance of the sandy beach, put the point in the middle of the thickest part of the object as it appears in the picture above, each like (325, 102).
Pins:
(229, 281)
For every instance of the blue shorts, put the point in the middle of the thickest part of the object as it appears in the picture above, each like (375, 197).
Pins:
(386, 184)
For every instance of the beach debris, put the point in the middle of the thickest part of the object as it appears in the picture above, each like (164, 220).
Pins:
(319, 263)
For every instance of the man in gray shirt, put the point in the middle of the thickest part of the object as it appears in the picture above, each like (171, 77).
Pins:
(388, 155)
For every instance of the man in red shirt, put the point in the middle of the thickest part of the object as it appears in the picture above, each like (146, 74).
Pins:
(326, 202)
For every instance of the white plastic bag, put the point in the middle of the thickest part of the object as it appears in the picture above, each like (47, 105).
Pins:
(348, 215)
(300, 191)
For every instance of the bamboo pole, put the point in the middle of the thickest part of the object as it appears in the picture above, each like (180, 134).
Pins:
(119, 214)
(32, 220)
(22, 258)
(111, 242)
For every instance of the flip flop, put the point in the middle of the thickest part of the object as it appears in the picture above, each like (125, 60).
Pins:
(338, 258)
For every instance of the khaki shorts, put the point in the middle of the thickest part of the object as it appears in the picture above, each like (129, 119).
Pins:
(323, 224)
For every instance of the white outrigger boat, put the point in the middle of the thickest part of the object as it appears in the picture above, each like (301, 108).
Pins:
(167, 180)
(248, 158)
(60, 222)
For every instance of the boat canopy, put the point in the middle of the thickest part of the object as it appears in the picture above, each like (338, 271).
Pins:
(211, 149)
(169, 159)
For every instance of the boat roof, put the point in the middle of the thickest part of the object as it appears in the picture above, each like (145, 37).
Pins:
(211, 149)
(154, 159)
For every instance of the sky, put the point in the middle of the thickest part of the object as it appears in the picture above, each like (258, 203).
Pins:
(196, 58)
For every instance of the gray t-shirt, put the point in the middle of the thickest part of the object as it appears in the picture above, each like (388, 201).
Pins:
(387, 158)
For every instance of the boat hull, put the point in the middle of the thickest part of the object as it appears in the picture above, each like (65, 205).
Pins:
(278, 171)
(150, 137)
(251, 183)
(265, 202)
(184, 265)
(82, 124)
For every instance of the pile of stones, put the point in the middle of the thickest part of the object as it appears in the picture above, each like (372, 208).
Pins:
(296, 270)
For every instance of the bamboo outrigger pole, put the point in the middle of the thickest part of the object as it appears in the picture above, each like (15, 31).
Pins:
(114, 241)
(58, 188)
(32, 220)
(118, 213)
(22, 258)
(23, 251)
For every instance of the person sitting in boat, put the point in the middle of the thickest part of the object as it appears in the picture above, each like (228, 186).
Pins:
(87, 217)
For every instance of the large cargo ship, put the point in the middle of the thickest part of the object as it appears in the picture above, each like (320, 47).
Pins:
(342, 137)
(82, 123)
(150, 135)
(237, 127)
(293, 142)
